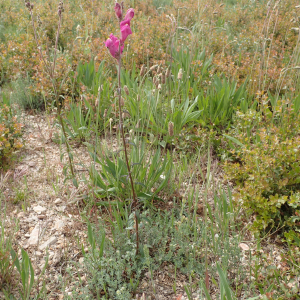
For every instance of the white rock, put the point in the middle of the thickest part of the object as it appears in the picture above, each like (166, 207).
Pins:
(81, 260)
(244, 246)
(39, 209)
(59, 224)
(58, 200)
(50, 242)
(34, 235)
(38, 254)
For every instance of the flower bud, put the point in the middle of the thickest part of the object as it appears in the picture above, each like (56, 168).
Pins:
(179, 76)
(171, 128)
(118, 11)
(126, 90)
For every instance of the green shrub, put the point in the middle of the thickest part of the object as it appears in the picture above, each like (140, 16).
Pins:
(266, 169)
(10, 131)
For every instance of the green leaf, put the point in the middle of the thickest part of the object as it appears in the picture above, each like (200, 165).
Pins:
(234, 140)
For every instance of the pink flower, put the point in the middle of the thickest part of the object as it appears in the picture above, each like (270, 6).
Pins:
(125, 31)
(118, 11)
(113, 46)
(129, 15)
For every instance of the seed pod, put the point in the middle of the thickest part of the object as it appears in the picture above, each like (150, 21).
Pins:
(179, 76)
(126, 90)
(122, 103)
(171, 128)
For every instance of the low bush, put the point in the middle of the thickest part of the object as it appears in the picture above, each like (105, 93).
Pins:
(264, 164)
(10, 131)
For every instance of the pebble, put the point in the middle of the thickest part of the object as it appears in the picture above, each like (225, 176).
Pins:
(57, 201)
(34, 235)
(39, 209)
(48, 243)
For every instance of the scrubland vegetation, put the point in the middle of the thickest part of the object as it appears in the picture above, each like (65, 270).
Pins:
(192, 145)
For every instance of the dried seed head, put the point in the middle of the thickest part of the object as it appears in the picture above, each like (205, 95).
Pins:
(138, 124)
(96, 102)
(39, 21)
(105, 114)
(152, 68)
(163, 78)
(143, 70)
(158, 69)
(126, 114)
(159, 87)
(116, 94)
(122, 103)
(179, 76)
(171, 128)
(126, 90)
(156, 81)
(110, 120)
(168, 72)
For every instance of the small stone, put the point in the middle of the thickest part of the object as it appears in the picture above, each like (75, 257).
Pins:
(50, 242)
(59, 224)
(34, 235)
(61, 208)
(38, 253)
(244, 246)
(39, 209)
(27, 235)
(41, 217)
(81, 260)
(57, 201)
(31, 164)
(21, 214)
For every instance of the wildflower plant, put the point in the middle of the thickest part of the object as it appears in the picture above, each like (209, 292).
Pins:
(116, 46)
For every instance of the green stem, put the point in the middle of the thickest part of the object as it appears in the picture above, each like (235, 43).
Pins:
(134, 203)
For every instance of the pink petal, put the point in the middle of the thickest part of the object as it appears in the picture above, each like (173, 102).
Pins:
(125, 31)
(129, 14)
(113, 46)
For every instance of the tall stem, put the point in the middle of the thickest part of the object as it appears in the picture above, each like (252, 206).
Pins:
(53, 81)
(134, 203)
